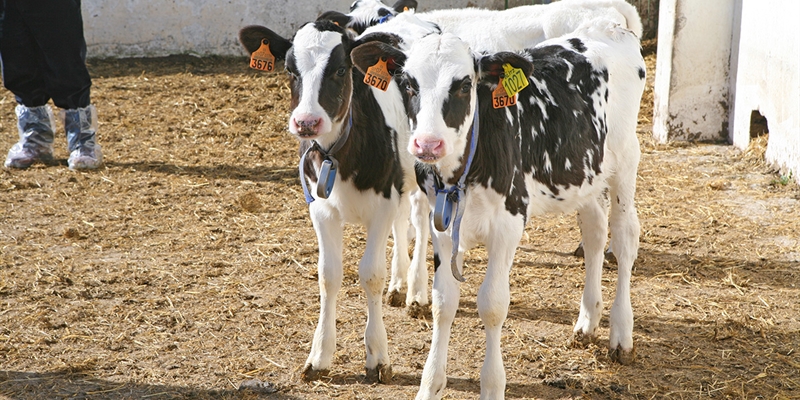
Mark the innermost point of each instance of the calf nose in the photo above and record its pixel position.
(427, 149)
(307, 124)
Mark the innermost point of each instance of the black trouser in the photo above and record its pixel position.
(43, 53)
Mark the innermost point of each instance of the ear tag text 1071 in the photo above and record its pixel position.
(500, 99)
(378, 75)
(262, 59)
(514, 80)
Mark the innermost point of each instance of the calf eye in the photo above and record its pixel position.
(466, 87)
(341, 71)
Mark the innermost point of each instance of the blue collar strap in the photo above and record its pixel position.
(327, 171)
(385, 18)
(449, 198)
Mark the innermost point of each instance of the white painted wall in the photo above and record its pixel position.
(768, 79)
(148, 28)
(692, 70)
(718, 61)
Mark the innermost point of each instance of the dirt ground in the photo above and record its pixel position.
(187, 266)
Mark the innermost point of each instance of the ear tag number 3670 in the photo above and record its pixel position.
(262, 59)
(500, 99)
(378, 75)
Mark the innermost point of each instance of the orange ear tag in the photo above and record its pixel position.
(500, 99)
(262, 59)
(378, 75)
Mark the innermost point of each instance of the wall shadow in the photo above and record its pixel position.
(288, 176)
(17, 385)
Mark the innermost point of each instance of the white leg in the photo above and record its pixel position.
(328, 227)
(400, 259)
(417, 297)
(445, 299)
(493, 301)
(372, 275)
(625, 231)
(594, 230)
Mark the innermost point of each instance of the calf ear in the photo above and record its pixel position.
(368, 50)
(336, 17)
(492, 65)
(252, 36)
(404, 5)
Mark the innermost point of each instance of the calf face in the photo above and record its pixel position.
(366, 13)
(320, 78)
(440, 77)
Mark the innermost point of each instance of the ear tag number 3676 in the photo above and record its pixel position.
(262, 59)
(378, 75)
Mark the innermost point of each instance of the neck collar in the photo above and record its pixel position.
(449, 198)
(327, 172)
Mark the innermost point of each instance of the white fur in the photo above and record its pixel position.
(311, 49)
(377, 214)
(434, 59)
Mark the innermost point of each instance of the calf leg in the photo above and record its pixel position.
(625, 231)
(493, 301)
(445, 297)
(400, 260)
(417, 297)
(329, 269)
(594, 231)
(372, 275)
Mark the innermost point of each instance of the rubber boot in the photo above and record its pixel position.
(81, 127)
(35, 126)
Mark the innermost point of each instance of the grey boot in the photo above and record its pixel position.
(35, 126)
(81, 126)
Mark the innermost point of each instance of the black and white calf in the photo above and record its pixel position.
(366, 13)
(356, 170)
(555, 150)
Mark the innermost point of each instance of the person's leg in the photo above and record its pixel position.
(22, 75)
(66, 76)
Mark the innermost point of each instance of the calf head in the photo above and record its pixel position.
(441, 75)
(366, 13)
(320, 76)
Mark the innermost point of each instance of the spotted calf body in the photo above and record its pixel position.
(555, 151)
(332, 108)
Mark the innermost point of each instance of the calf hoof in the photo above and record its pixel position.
(580, 340)
(624, 357)
(310, 374)
(380, 374)
(415, 310)
(579, 251)
(396, 299)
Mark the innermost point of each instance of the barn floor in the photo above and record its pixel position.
(187, 266)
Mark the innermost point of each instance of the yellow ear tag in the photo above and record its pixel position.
(262, 59)
(515, 80)
(378, 75)
(500, 99)
(405, 9)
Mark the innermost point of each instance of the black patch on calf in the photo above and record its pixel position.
(642, 74)
(456, 106)
(569, 132)
(336, 84)
(410, 98)
(338, 18)
(507, 151)
(578, 45)
(436, 261)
